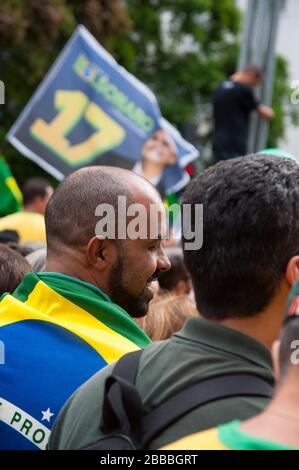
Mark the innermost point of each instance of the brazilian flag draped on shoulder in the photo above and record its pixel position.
(55, 332)
(10, 194)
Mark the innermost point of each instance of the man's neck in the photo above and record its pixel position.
(31, 208)
(72, 269)
(264, 327)
(279, 422)
(265, 330)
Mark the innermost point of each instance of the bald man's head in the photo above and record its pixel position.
(70, 215)
(123, 269)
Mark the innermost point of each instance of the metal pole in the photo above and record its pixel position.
(263, 128)
(260, 34)
(248, 28)
(258, 47)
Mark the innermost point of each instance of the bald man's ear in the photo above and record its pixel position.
(292, 271)
(100, 253)
(275, 359)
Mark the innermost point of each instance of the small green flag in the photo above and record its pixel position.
(10, 194)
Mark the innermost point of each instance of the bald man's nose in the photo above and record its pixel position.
(163, 261)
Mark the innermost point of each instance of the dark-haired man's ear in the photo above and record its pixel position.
(275, 359)
(292, 271)
(100, 253)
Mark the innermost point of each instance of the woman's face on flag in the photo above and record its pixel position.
(160, 148)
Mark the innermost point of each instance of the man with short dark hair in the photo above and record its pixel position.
(30, 223)
(62, 325)
(233, 103)
(277, 427)
(36, 194)
(241, 276)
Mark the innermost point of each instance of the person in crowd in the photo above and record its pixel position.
(233, 103)
(9, 236)
(166, 315)
(241, 276)
(177, 279)
(13, 267)
(277, 427)
(11, 239)
(63, 325)
(30, 223)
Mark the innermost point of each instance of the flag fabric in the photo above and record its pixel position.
(88, 110)
(55, 333)
(10, 194)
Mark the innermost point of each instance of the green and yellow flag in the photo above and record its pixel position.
(56, 333)
(10, 194)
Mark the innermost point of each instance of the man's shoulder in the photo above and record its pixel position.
(225, 85)
(98, 379)
(22, 215)
(90, 390)
(83, 412)
(9, 218)
(233, 85)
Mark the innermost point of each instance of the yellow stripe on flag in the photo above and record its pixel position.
(45, 304)
(14, 188)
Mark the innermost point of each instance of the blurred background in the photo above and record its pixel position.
(181, 49)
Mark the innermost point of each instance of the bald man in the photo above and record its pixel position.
(76, 317)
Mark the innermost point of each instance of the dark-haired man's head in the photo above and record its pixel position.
(120, 266)
(249, 258)
(177, 279)
(36, 194)
(13, 267)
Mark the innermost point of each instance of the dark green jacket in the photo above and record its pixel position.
(201, 350)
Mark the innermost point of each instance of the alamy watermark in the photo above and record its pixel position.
(135, 221)
(294, 98)
(295, 354)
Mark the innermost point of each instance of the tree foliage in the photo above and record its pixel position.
(180, 48)
(285, 113)
(32, 33)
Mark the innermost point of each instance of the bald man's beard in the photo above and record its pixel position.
(135, 306)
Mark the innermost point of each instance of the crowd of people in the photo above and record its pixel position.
(75, 305)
